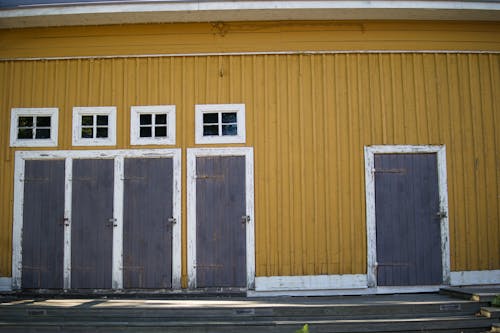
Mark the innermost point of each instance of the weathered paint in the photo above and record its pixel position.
(43, 232)
(220, 227)
(407, 226)
(308, 117)
(147, 223)
(92, 224)
(283, 36)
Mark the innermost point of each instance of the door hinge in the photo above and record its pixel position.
(442, 215)
(245, 219)
(172, 220)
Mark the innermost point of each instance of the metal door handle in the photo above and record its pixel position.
(442, 215)
(245, 219)
(111, 222)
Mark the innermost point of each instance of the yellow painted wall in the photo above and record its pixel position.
(308, 119)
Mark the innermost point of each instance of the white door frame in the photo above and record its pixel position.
(370, 151)
(192, 154)
(118, 156)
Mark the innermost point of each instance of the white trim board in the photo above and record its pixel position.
(118, 156)
(256, 53)
(192, 154)
(370, 151)
(464, 278)
(310, 282)
(218, 11)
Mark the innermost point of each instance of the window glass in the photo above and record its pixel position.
(161, 119)
(42, 121)
(146, 132)
(25, 133)
(160, 131)
(42, 133)
(146, 119)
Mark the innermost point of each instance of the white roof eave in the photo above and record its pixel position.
(220, 11)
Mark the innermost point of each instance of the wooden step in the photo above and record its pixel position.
(478, 293)
(490, 312)
(427, 324)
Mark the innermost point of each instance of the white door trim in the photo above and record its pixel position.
(370, 151)
(118, 156)
(192, 154)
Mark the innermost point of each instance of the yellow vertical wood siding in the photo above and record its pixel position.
(308, 119)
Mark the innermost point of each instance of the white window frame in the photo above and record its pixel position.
(53, 113)
(135, 124)
(78, 112)
(201, 109)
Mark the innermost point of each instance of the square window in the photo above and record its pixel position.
(33, 127)
(94, 126)
(152, 125)
(220, 123)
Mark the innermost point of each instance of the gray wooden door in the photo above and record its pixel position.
(43, 225)
(220, 231)
(147, 229)
(92, 223)
(408, 228)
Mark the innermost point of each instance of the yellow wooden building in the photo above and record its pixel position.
(267, 147)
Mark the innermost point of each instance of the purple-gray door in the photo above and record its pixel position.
(43, 225)
(407, 220)
(147, 223)
(220, 222)
(92, 223)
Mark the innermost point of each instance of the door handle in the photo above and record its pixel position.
(245, 219)
(442, 215)
(172, 220)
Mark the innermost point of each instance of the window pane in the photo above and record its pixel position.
(161, 131)
(87, 132)
(25, 122)
(210, 118)
(229, 117)
(88, 120)
(145, 119)
(25, 133)
(102, 120)
(145, 132)
(42, 133)
(161, 119)
(102, 132)
(43, 121)
(210, 130)
(229, 130)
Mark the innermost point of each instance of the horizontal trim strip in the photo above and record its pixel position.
(310, 282)
(475, 277)
(5, 284)
(222, 11)
(128, 56)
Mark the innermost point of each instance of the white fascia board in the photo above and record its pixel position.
(213, 11)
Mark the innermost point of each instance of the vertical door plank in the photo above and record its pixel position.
(408, 229)
(220, 233)
(43, 227)
(92, 231)
(147, 233)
